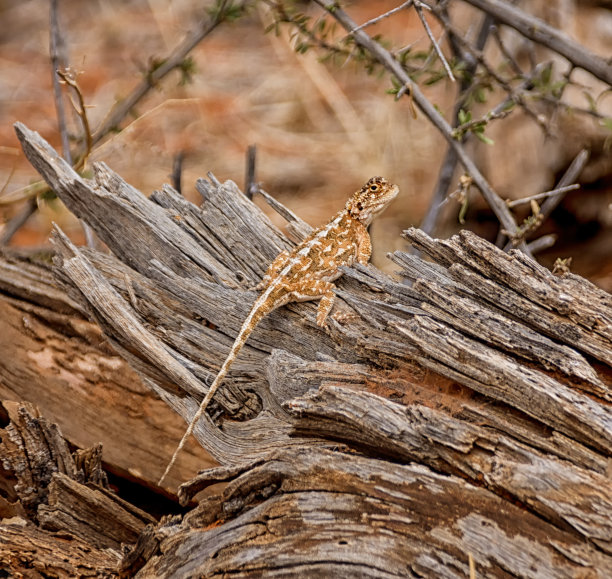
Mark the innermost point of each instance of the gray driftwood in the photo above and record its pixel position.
(457, 415)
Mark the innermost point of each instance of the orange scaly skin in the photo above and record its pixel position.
(307, 273)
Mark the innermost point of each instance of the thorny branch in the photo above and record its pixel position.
(476, 55)
(173, 61)
(429, 110)
(450, 160)
(553, 198)
(382, 16)
(177, 59)
(571, 175)
(468, 58)
(418, 6)
(540, 32)
(543, 195)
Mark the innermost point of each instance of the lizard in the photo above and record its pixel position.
(307, 273)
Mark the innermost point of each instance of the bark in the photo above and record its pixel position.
(59, 517)
(54, 357)
(458, 415)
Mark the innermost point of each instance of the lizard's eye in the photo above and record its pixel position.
(374, 187)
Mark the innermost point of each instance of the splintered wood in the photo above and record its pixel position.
(457, 415)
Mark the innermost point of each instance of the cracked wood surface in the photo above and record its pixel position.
(461, 410)
(315, 511)
(59, 518)
(53, 356)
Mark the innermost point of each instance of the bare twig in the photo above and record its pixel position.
(16, 222)
(538, 31)
(58, 61)
(571, 175)
(381, 17)
(526, 228)
(542, 243)
(251, 186)
(68, 76)
(418, 6)
(282, 15)
(515, 94)
(506, 53)
(543, 212)
(177, 171)
(556, 191)
(477, 55)
(174, 60)
(7, 181)
(445, 177)
(449, 164)
(474, 124)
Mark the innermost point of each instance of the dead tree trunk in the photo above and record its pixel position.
(54, 357)
(461, 419)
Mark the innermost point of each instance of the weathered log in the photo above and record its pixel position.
(460, 413)
(315, 512)
(59, 517)
(53, 356)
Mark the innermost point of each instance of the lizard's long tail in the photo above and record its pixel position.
(256, 314)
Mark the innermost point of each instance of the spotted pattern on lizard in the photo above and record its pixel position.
(308, 272)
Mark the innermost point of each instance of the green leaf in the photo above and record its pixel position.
(607, 123)
(188, 68)
(480, 96)
(463, 210)
(464, 116)
(546, 74)
(482, 137)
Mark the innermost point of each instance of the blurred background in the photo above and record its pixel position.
(321, 128)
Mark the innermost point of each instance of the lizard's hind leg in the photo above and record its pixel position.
(316, 290)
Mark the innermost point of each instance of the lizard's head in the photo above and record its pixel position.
(372, 199)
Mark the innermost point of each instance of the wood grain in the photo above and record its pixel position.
(461, 409)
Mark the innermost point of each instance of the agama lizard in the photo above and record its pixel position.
(307, 273)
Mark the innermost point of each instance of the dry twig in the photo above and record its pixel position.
(558, 190)
(449, 164)
(174, 60)
(382, 16)
(538, 31)
(418, 6)
(392, 65)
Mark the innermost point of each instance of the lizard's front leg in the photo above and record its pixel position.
(364, 247)
(315, 290)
